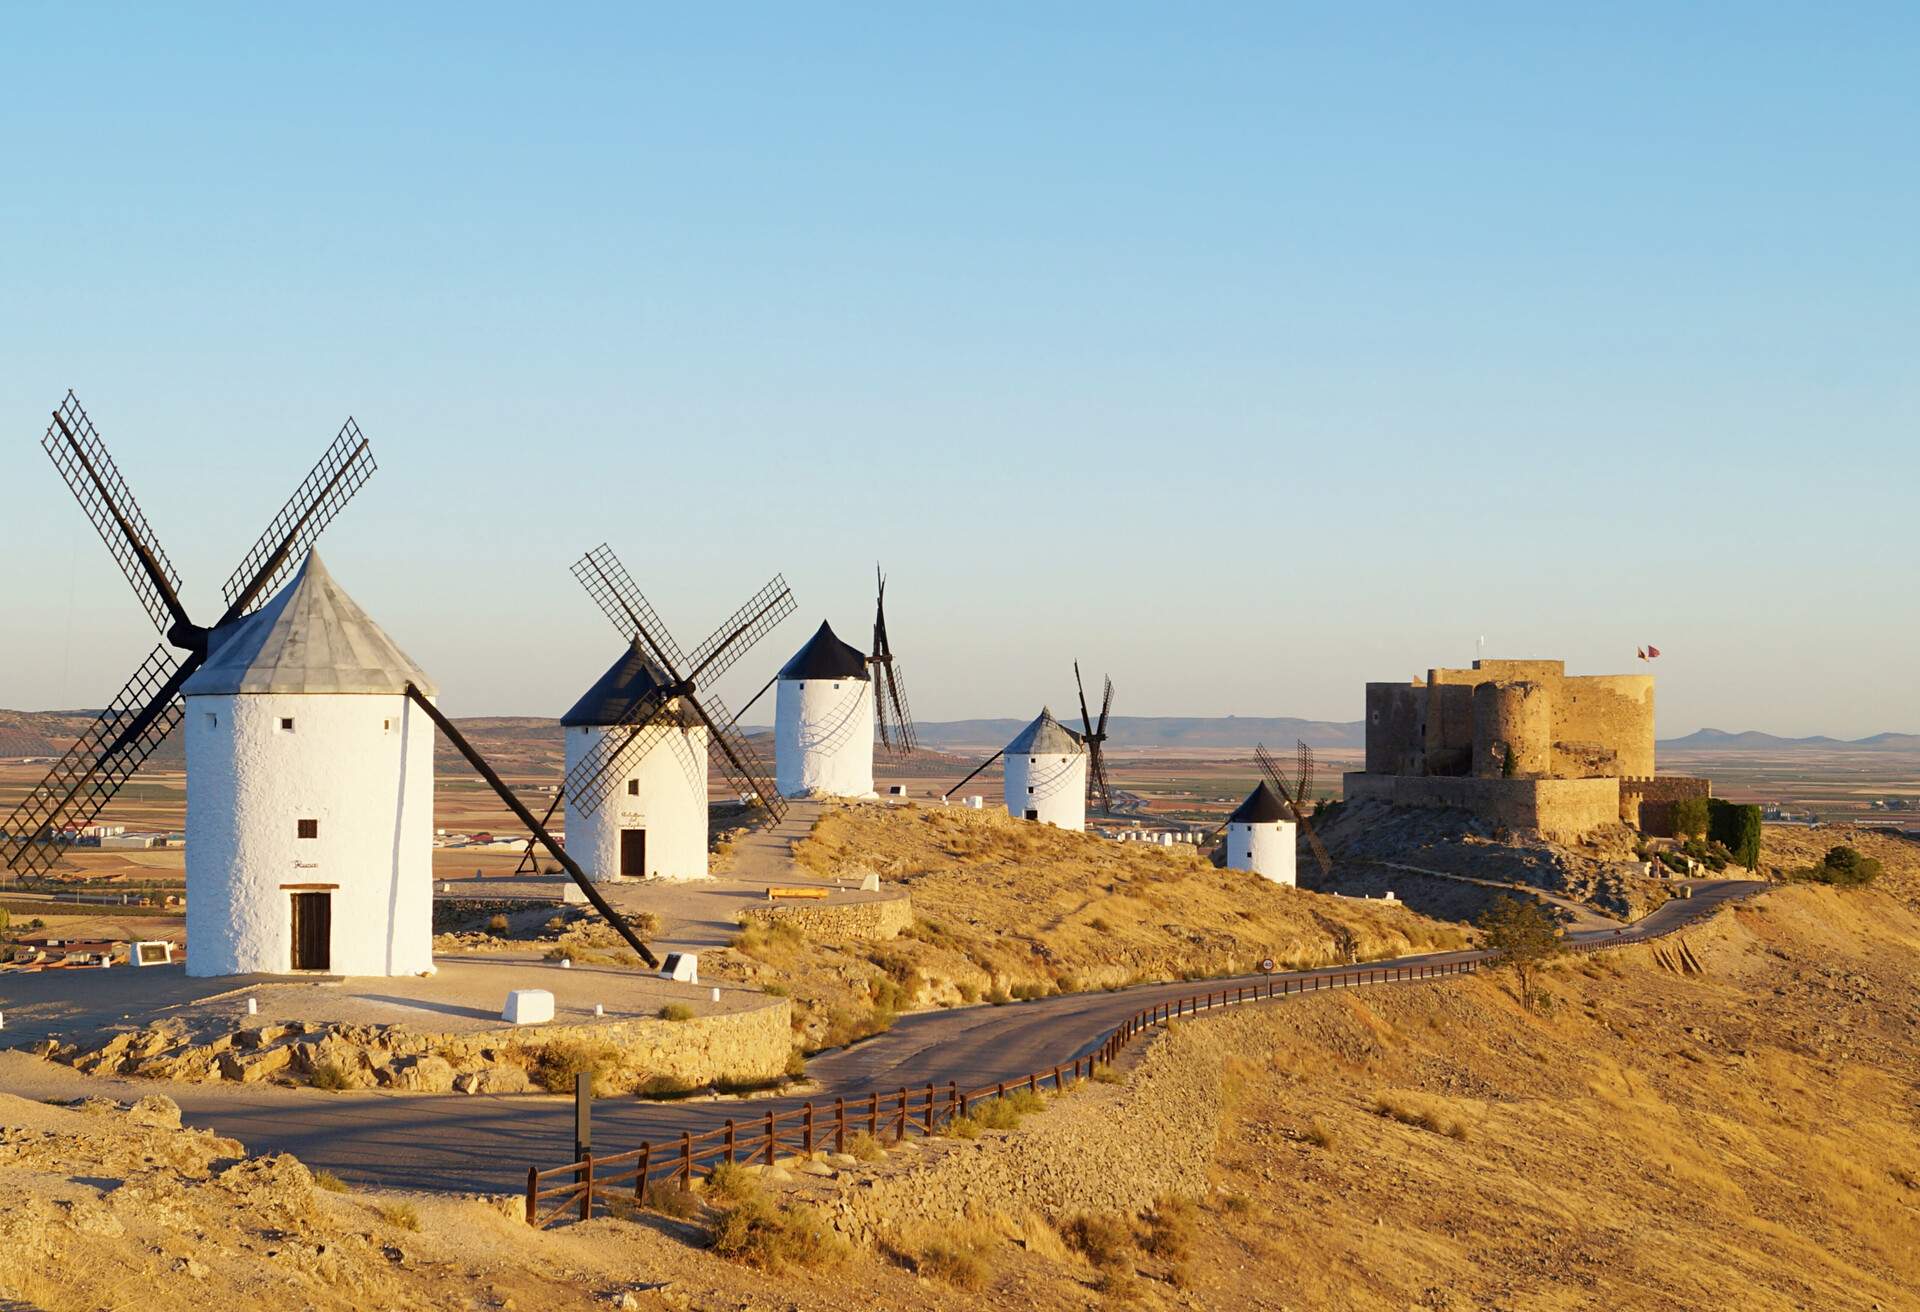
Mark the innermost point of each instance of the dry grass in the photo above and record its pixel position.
(401, 1216)
(1104, 1240)
(1398, 1107)
(864, 1147)
(991, 928)
(556, 1064)
(330, 1182)
(774, 1236)
(957, 1253)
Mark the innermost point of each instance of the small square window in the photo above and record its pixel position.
(213, 721)
(286, 723)
(386, 726)
(633, 788)
(309, 829)
(1029, 787)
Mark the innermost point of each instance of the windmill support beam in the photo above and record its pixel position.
(976, 770)
(514, 804)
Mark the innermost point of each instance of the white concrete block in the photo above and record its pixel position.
(871, 884)
(572, 894)
(682, 967)
(528, 1007)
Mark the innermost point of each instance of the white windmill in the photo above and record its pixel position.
(1260, 837)
(309, 760)
(1045, 776)
(830, 696)
(637, 742)
(309, 793)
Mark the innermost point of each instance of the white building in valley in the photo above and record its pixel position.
(1046, 774)
(309, 794)
(648, 819)
(1260, 837)
(823, 721)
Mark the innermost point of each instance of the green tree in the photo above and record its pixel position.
(1736, 828)
(1521, 936)
(1690, 817)
(1845, 866)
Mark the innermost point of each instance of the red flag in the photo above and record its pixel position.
(1652, 651)
(1641, 652)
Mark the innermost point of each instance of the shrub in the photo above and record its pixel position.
(1005, 1113)
(666, 1086)
(1031, 989)
(1736, 828)
(999, 997)
(1170, 1229)
(1099, 925)
(955, 1254)
(845, 1026)
(969, 991)
(1690, 817)
(1105, 1074)
(672, 1200)
(768, 1236)
(676, 1011)
(864, 1147)
(1103, 1240)
(556, 1065)
(796, 1064)
(776, 990)
(327, 1180)
(961, 1127)
(1842, 866)
(498, 924)
(732, 1182)
(1319, 1135)
(329, 1075)
(401, 1216)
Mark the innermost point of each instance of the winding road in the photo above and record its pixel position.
(484, 1144)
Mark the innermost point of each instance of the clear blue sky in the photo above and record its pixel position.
(1247, 354)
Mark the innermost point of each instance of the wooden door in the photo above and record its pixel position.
(312, 931)
(633, 853)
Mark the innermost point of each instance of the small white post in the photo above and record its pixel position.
(716, 995)
(253, 1006)
(566, 963)
(599, 1010)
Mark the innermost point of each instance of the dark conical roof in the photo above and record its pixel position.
(1046, 736)
(826, 657)
(1262, 807)
(626, 680)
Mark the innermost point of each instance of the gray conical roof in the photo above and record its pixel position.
(311, 637)
(1262, 807)
(1046, 736)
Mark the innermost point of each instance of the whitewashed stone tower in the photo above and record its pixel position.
(1260, 837)
(309, 794)
(652, 822)
(1046, 774)
(823, 721)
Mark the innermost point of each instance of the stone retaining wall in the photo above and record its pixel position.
(829, 920)
(736, 1046)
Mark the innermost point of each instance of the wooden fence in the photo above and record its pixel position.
(577, 1186)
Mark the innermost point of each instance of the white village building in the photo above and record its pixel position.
(823, 721)
(652, 822)
(1046, 774)
(309, 794)
(1260, 837)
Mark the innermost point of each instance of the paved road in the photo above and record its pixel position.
(484, 1144)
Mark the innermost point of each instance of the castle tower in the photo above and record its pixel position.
(1046, 774)
(823, 721)
(1512, 729)
(652, 822)
(309, 794)
(1260, 837)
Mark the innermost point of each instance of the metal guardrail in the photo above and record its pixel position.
(552, 1193)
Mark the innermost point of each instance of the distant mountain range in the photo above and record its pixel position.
(1241, 731)
(1752, 740)
(47, 733)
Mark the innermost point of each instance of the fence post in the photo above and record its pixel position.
(586, 1198)
(900, 1127)
(729, 1141)
(873, 1114)
(770, 1139)
(640, 1173)
(1033, 1083)
(929, 1106)
(806, 1140)
(686, 1159)
(533, 1192)
(1057, 1086)
(839, 1124)
(953, 1098)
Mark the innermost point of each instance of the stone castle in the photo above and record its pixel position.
(1522, 744)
